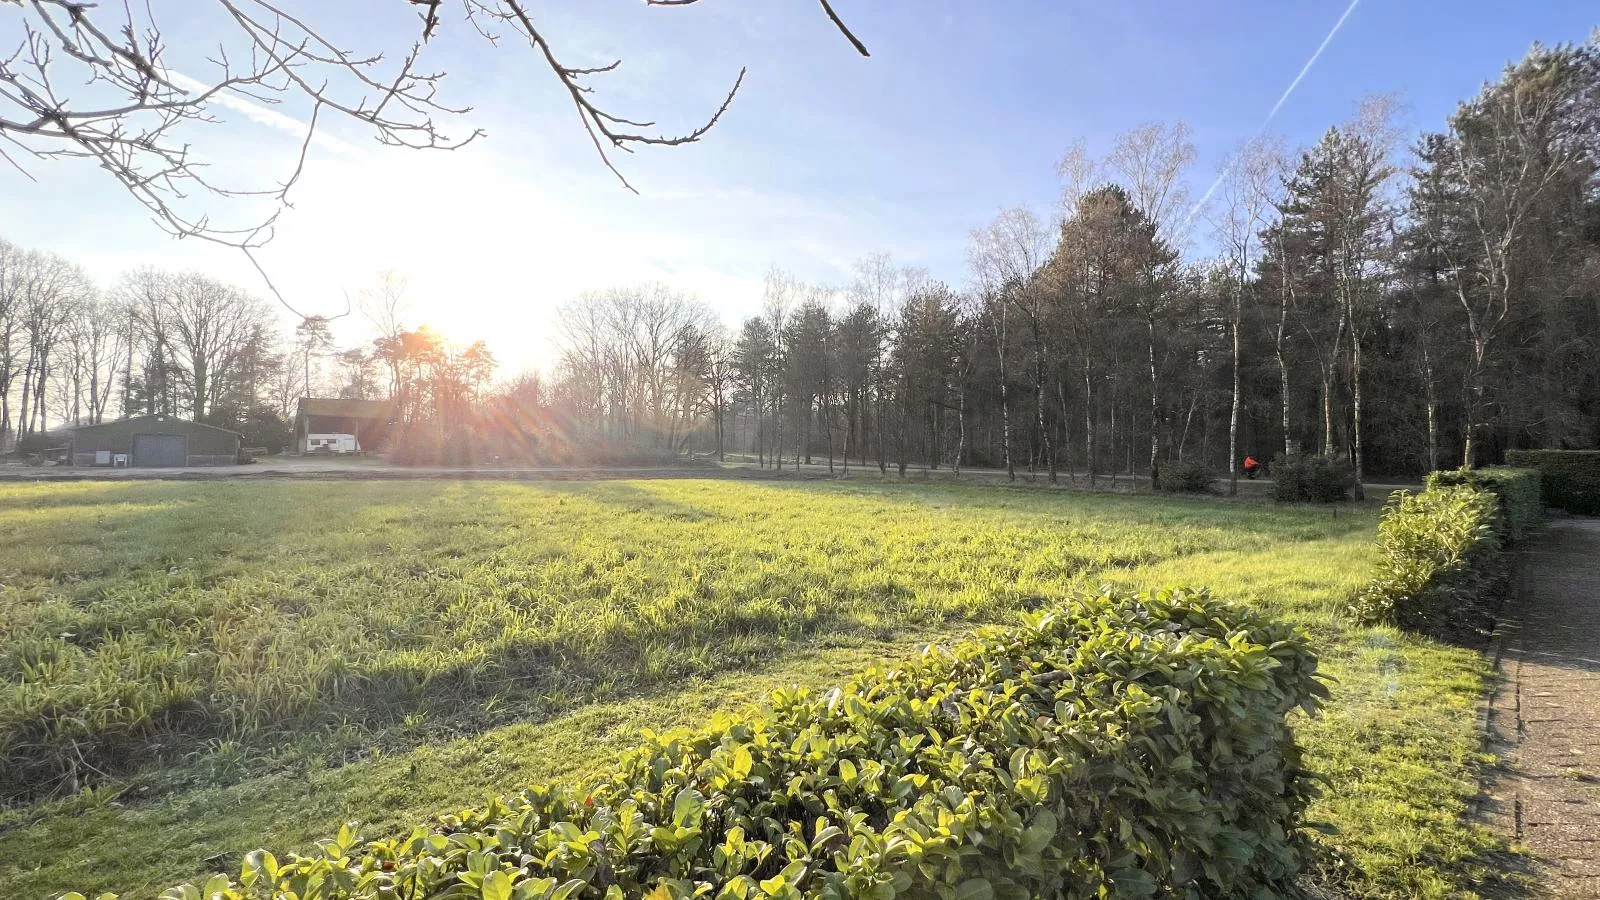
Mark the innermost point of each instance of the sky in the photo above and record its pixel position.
(962, 110)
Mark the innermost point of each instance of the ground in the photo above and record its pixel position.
(1545, 719)
(192, 670)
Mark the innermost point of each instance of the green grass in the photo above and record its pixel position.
(188, 671)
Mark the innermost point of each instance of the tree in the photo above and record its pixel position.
(1152, 161)
(1364, 216)
(874, 293)
(1248, 189)
(720, 379)
(1005, 257)
(313, 337)
(1521, 142)
(755, 365)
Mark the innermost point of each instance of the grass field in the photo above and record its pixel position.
(192, 670)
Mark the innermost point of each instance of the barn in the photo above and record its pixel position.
(154, 441)
(342, 426)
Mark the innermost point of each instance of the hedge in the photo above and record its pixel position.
(1190, 476)
(1122, 745)
(1300, 478)
(1442, 569)
(1521, 506)
(1570, 478)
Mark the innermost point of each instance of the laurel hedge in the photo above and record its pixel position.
(1121, 745)
(1570, 478)
(1442, 570)
(1521, 506)
(1302, 478)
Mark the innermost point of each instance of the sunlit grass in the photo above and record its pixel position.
(240, 656)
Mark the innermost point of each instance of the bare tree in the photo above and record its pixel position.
(875, 291)
(1248, 187)
(95, 344)
(1506, 150)
(1366, 173)
(1004, 257)
(197, 335)
(628, 353)
(39, 293)
(1152, 162)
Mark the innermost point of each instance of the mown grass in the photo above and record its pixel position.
(193, 670)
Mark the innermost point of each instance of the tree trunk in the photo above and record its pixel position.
(1155, 405)
(1005, 399)
(849, 432)
(25, 411)
(777, 437)
(1355, 388)
(1038, 408)
(1238, 397)
(961, 430)
(1088, 420)
(827, 424)
(900, 433)
(1430, 397)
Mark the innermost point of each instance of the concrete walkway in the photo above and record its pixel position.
(1545, 716)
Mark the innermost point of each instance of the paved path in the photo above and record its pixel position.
(1545, 717)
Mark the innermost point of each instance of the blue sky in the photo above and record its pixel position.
(962, 110)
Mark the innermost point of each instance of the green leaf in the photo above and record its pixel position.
(742, 763)
(567, 889)
(497, 886)
(975, 889)
(688, 808)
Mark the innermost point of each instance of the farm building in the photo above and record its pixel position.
(342, 426)
(154, 441)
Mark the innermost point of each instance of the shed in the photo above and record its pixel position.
(154, 441)
(339, 425)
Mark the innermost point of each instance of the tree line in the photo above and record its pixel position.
(1399, 304)
(185, 344)
(1402, 308)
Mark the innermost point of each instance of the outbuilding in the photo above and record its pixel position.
(154, 441)
(342, 426)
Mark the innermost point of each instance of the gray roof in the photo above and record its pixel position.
(161, 419)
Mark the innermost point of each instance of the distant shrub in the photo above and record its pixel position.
(38, 442)
(1126, 746)
(1302, 478)
(1442, 568)
(1189, 476)
(1569, 479)
(1518, 490)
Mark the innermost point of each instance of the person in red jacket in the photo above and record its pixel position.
(1251, 467)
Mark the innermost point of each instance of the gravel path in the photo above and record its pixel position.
(1545, 717)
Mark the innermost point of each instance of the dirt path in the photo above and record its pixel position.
(1545, 717)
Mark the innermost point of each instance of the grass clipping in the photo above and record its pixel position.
(1121, 745)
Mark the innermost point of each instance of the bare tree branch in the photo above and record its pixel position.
(131, 113)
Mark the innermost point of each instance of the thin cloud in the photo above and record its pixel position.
(261, 115)
(1282, 99)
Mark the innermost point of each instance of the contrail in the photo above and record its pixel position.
(1205, 198)
(262, 115)
(1312, 61)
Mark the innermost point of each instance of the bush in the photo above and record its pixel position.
(1120, 746)
(1188, 477)
(1517, 490)
(1442, 569)
(1301, 478)
(1569, 479)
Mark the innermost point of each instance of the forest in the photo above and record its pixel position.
(1400, 301)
